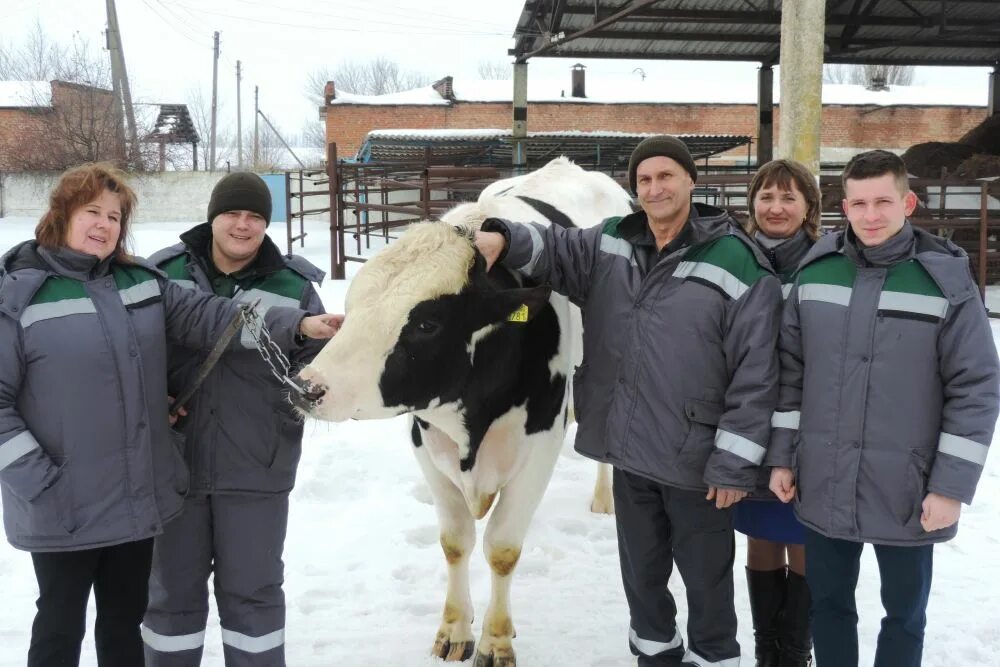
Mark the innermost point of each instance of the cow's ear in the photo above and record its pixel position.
(517, 306)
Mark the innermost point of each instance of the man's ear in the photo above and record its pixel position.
(909, 203)
(517, 306)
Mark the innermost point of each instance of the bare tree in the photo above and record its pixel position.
(77, 118)
(200, 107)
(837, 73)
(374, 77)
(314, 135)
(499, 70)
(316, 80)
(877, 76)
(870, 76)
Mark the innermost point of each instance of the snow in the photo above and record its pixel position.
(25, 94)
(622, 90)
(474, 134)
(365, 577)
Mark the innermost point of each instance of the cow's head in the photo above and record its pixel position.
(415, 314)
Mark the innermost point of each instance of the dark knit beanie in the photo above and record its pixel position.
(240, 191)
(665, 146)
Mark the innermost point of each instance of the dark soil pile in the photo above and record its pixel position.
(928, 159)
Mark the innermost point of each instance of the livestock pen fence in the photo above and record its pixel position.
(377, 199)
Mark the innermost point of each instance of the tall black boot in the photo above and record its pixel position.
(794, 636)
(767, 596)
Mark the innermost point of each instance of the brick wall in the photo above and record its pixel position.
(845, 127)
(79, 126)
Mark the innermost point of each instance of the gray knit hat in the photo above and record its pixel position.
(663, 145)
(240, 191)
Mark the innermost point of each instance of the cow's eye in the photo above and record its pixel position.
(428, 327)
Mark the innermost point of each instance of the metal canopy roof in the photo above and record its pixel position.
(174, 126)
(598, 150)
(902, 32)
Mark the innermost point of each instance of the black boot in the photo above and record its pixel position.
(767, 595)
(794, 636)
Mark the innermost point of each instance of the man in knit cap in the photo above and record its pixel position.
(242, 446)
(676, 389)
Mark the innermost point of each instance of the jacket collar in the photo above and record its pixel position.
(72, 264)
(198, 241)
(705, 223)
(896, 249)
(785, 255)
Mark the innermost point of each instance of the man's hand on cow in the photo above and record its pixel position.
(490, 244)
(321, 326)
(939, 512)
(725, 497)
(782, 484)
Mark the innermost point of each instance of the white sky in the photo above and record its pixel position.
(168, 46)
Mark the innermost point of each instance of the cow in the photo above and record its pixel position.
(481, 361)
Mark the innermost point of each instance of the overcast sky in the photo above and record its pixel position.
(168, 46)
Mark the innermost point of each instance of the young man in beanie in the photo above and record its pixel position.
(242, 447)
(888, 402)
(676, 389)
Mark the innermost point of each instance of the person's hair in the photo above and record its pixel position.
(783, 173)
(872, 164)
(77, 187)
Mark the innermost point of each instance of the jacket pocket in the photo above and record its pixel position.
(182, 477)
(917, 478)
(707, 413)
(51, 512)
(703, 418)
(286, 455)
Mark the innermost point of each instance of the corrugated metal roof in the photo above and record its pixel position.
(607, 151)
(917, 32)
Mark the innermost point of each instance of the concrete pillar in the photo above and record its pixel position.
(520, 127)
(802, 26)
(994, 103)
(765, 114)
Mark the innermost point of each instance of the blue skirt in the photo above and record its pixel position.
(769, 520)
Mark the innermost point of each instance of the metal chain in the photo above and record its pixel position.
(268, 349)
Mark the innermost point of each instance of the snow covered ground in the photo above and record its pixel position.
(365, 576)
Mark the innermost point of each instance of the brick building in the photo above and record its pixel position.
(55, 125)
(854, 118)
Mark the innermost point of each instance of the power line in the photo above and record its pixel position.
(182, 33)
(366, 10)
(409, 29)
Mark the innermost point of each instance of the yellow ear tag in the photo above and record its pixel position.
(519, 315)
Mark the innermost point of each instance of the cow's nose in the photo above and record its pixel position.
(305, 393)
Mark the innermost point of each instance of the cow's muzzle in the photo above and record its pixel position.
(305, 394)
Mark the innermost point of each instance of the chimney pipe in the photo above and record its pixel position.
(579, 80)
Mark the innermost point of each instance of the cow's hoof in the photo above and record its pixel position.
(498, 658)
(605, 505)
(450, 651)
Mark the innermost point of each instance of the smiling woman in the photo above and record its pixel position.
(89, 212)
(89, 469)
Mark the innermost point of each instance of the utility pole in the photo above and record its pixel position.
(215, 100)
(256, 127)
(119, 75)
(239, 118)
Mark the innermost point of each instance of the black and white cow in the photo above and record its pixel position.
(481, 361)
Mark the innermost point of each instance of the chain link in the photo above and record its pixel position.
(268, 349)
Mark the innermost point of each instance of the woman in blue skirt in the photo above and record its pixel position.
(784, 221)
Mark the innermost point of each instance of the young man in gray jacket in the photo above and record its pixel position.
(887, 406)
(676, 389)
(243, 443)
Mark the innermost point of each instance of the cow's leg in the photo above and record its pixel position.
(603, 502)
(454, 641)
(503, 540)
